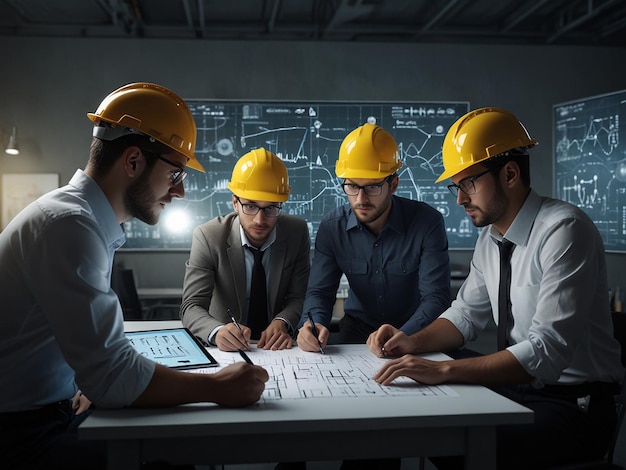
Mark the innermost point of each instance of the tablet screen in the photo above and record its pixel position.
(176, 348)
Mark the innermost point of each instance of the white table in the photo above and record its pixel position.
(308, 429)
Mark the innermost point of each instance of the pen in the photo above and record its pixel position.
(245, 357)
(232, 317)
(315, 332)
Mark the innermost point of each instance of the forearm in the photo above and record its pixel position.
(169, 387)
(428, 311)
(199, 321)
(238, 384)
(291, 313)
(500, 368)
(320, 305)
(440, 335)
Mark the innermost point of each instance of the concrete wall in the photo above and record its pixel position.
(48, 85)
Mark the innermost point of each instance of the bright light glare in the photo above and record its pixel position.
(176, 221)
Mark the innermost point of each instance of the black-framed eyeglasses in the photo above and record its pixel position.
(372, 190)
(271, 211)
(466, 185)
(178, 175)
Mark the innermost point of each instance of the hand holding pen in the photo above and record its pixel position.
(314, 330)
(241, 337)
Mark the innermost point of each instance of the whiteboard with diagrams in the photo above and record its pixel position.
(306, 136)
(590, 162)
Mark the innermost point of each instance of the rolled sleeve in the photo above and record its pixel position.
(72, 262)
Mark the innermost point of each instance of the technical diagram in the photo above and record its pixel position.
(307, 137)
(590, 162)
(296, 374)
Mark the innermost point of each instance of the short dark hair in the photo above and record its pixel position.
(519, 156)
(104, 153)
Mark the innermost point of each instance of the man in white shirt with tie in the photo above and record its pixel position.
(558, 355)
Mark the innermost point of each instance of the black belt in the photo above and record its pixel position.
(45, 413)
(583, 389)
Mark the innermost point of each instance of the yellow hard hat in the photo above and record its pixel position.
(152, 110)
(479, 135)
(259, 175)
(369, 151)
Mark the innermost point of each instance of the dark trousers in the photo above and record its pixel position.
(47, 438)
(566, 428)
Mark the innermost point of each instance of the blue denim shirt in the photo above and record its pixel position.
(401, 277)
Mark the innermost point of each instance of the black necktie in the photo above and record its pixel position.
(504, 292)
(257, 307)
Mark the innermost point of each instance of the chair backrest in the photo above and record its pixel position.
(619, 331)
(606, 462)
(123, 283)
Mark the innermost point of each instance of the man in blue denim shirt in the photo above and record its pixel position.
(393, 251)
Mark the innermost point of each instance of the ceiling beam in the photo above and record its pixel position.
(272, 21)
(346, 11)
(188, 16)
(121, 15)
(438, 16)
(201, 18)
(521, 14)
(615, 26)
(569, 21)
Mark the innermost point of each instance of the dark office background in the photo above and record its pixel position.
(47, 85)
(59, 59)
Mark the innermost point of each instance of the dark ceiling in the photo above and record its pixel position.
(552, 22)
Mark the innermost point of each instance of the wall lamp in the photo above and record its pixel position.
(12, 147)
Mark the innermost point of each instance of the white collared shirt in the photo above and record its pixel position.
(562, 330)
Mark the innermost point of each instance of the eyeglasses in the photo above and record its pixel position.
(177, 176)
(372, 190)
(466, 185)
(271, 212)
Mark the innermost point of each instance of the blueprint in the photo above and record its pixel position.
(297, 374)
(306, 136)
(590, 162)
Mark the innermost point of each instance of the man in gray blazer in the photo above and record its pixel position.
(219, 303)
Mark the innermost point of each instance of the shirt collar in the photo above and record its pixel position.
(520, 229)
(101, 207)
(244, 240)
(394, 222)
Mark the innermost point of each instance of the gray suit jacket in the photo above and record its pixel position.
(215, 275)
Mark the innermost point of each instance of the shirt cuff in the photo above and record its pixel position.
(290, 329)
(211, 338)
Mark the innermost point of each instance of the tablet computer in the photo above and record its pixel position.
(177, 348)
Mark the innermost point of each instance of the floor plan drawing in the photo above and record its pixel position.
(296, 374)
